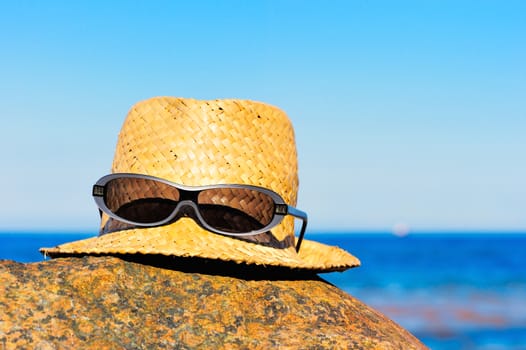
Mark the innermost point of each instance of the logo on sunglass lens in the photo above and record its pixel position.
(98, 191)
(281, 209)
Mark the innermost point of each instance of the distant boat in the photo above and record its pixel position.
(401, 230)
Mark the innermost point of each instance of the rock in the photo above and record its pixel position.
(119, 303)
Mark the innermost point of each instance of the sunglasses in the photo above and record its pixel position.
(233, 210)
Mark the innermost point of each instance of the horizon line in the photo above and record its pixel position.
(4, 231)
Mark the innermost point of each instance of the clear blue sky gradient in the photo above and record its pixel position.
(406, 112)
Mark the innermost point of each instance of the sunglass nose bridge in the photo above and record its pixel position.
(186, 209)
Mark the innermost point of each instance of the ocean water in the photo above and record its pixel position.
(452, 291)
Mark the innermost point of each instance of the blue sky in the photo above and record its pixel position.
(406, 112)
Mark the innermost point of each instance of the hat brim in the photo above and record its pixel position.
(187, 240)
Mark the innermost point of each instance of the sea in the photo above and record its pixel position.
(451, 290)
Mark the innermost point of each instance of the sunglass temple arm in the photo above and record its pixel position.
(303, 217)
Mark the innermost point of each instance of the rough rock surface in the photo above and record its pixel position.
(117, 303)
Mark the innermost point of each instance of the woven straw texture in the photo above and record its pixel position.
(194, 142)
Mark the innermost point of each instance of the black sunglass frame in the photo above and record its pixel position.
(281, 209)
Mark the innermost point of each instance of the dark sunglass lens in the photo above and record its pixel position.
(141, 200)
(147, 210)
(236, 210)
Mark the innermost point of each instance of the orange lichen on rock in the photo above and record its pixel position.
(109, 302)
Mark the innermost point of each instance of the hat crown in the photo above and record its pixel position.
(195, 142)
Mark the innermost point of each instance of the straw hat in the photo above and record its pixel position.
(192, 142)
